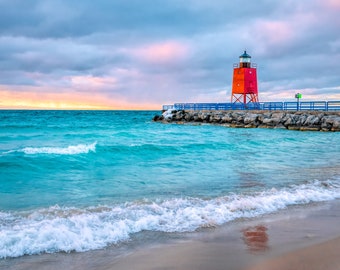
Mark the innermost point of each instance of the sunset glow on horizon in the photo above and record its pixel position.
(29, 100)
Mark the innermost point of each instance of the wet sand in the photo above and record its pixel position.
(323, 256)
(304, 237)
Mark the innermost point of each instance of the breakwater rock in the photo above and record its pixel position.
(300, 120)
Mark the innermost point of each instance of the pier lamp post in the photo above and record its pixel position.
(298, 96)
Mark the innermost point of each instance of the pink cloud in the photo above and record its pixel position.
(92, 82)
(162, 53)
(274, 32)
(333, 4)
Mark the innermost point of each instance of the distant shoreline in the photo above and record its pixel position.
(292, 120)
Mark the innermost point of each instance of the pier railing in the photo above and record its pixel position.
(286, 106)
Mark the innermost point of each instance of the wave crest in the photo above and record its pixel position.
(71, 229)
(70, 150)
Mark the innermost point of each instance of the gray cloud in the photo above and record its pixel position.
(45, 43)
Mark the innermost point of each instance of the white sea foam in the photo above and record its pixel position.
(168, 114)
(71, 229)
(69, 150)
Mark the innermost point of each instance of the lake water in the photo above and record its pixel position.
(85, 180)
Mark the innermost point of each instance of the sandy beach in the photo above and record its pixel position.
(302, 237)
(320, 256)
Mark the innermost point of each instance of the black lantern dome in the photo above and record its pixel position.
(245, 60)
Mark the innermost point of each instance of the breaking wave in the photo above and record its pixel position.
(58, 229)
(69, 150)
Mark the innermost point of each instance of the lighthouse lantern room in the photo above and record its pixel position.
(244, 88)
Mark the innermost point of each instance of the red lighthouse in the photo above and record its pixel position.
(244, 88)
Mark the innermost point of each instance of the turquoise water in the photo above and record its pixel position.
(83, 180)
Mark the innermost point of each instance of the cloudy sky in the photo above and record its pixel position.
(140, 54)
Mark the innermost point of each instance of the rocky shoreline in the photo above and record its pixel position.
(299, 120)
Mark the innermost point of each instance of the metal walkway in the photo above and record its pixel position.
(271, 106)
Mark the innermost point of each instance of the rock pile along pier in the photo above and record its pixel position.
(300, 120)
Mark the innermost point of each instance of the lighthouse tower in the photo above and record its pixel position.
(244, 88)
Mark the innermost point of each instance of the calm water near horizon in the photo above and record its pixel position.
(85, 180)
